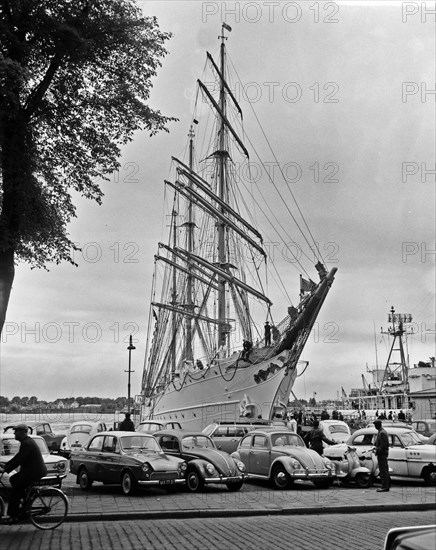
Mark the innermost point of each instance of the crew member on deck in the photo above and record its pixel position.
(247, 346)
(267, 334)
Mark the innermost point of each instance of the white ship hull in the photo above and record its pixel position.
(200, 397)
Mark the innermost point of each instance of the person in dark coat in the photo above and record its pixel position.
(315, 438)
(127, 424)
(32, 469)
(267, 334)
(382, 452)
(246, 350)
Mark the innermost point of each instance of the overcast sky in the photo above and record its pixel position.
(347, 85)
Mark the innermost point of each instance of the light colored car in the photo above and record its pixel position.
(408, 456)
(336, 430)
(425, 428)
(52, 438)
(206, 464)
(79, 434)
(128, 459)
(150, 426)
(56, 465)
(226, 435)
(280, 456)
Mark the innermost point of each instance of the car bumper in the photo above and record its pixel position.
(226, 479)
(312, 474)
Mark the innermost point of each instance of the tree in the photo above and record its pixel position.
(75, 78)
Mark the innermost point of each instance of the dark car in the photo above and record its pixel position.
(411, 538)
(128, 459)
(206, 464)
(281, 457)
(44, 430)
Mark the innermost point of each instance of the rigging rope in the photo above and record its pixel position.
(281, 171)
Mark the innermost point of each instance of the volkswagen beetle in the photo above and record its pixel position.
(281, 457)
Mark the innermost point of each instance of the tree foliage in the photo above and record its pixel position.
(75, 79)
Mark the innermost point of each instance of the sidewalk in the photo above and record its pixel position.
(108, 502)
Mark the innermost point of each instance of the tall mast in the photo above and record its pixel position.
(190, 248)
(174, 295)
(222, 158)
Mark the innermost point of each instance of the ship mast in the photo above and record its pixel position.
(397, 371)
(222, 156)
(190, 247)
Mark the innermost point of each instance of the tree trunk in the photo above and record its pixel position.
(7, 273)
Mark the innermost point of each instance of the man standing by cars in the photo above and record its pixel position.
(382, 452)
(32, 469)
(315, 438)
(127, 424)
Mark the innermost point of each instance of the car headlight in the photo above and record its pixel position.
(182, 467)
(146, 467)
(295, 464)
(210, 469)
(240, 465)
(60, 466)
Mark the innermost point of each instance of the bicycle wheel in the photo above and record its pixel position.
(48, 507)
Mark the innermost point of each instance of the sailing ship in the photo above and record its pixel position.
(214, 350)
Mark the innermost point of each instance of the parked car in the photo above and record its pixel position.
(128, 459)
(411, 538)
(226, 435)
(336, 430)
(78, 434)
(150, 426)
(280, 456)
(206, 464)
(44, 430)
(408, 425)
(56, 465)
(408, 455)
(425, 428)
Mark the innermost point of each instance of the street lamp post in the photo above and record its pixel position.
(130, 348)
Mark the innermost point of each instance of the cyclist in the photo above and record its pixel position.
(32, 468)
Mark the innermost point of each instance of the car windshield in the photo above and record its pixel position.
(42, 446)
(82, 428)
(197, 441)
(338, 428)
(287, 439)
(209, 429)
(410, 438)
(139, 443)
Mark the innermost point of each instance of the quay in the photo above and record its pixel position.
(105, 502)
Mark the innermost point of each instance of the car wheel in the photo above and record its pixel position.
(194, 482)
(363, 480)
(234, 486)
(322, 483)
(280, 478)
(84, 480)
(430, 476)
(128, 483)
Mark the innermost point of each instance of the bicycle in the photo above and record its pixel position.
(46, 506)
